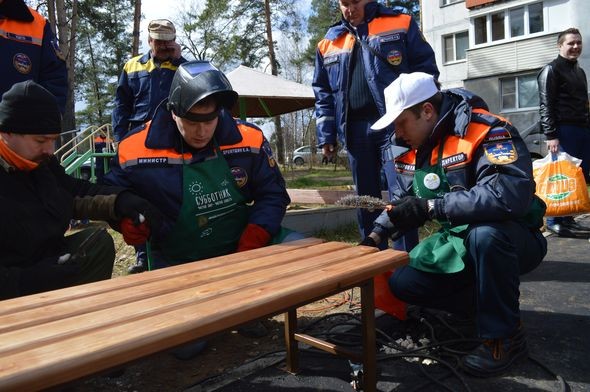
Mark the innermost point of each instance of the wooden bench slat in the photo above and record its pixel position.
(155, 298)
(121, 294)
(103, 348)
(17, 305)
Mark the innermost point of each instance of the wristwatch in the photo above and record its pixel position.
(430, 204)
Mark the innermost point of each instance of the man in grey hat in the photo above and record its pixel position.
(38, 200)
(145, 80)
(143, 84)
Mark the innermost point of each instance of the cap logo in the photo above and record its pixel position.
(22, 63)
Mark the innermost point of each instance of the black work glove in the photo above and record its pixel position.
(368, 241)
(129, 205)
(408, 213)
(47, 275)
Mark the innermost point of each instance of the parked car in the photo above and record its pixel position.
(302, 156)
(535, 140)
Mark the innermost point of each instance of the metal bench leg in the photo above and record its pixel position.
(292, 346)
(369, 349)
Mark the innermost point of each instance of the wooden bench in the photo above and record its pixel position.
(59, 336)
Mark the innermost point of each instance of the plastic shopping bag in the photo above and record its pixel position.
(561, 185)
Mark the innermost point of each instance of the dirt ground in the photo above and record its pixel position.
(163, 372)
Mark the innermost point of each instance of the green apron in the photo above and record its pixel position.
(443, 251)
(212, 216)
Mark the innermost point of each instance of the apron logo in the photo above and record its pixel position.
(195, 188)
(207, 232)
(394, 57)
(22, 63)
(431, 181)
(240, 176)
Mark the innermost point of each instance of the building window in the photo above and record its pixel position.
(497, 26)
(517, 22)
(481, 30)
(511, 23)
(535, 18)
(455, 46)
(447, 2)
(519, 92)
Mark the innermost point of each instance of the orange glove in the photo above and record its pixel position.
(253, 237)
(134, 234)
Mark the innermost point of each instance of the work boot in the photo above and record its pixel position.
(570, 223)
(253, 330)
(495, 356)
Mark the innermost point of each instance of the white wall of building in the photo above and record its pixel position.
(438, 22)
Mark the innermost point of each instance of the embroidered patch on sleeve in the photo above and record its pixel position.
(501, 153)
(58, 52)
(497, 134)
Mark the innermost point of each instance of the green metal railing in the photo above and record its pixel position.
(78, 156)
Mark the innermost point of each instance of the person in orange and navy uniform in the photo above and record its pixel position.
(143, 84)
(100, 145)
(214, 177)
(360, 56)
(145, 80)
(29, 51)
(38, 200)
(471, 171)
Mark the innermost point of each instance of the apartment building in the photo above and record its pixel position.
(495, 48)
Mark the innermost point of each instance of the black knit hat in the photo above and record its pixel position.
(28, 108)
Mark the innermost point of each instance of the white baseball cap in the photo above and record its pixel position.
(404, 92)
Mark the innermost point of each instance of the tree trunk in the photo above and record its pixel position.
(274, 71)
(51, 15)
(136, 23)
(67, 42)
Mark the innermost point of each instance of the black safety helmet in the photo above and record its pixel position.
(195, 81)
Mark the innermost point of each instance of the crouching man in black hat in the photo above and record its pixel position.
(38, 200)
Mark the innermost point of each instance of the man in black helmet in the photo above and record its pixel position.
(213, 177)
(38, 199)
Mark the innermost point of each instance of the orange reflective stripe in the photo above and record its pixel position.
(342, 44)
(29, 32)
(384, 25)
(132, 151)
(251, 138)
(454, 145)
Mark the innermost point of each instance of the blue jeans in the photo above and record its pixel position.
(488, 287)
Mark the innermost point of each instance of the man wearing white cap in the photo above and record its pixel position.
(469, 170)
(143, 84)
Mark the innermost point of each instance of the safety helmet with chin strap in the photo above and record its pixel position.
(195, 81)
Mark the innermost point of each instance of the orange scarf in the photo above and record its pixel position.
(13, 159)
